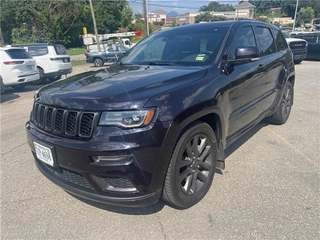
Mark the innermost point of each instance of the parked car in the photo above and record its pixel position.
(53, 61)
(299, 48)
(313, 39)
(17, 68)
(157, 122)
(286, 28)
(108, 54)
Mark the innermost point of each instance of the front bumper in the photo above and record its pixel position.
(135, 179)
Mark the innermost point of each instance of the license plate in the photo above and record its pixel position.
(30, 67)
(297, 57)
(43, 153)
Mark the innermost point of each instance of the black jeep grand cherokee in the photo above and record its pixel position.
(157, 122)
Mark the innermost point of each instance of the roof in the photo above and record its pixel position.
(244, 4)
(35, 44)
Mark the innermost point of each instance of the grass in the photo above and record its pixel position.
(78, 62)
(75, 51)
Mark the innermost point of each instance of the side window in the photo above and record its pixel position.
(280, 40)
(38, 50)
(243, 37)
(310, 38)
(60, 50)
(266, 42)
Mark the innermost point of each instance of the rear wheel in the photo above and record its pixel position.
(1, 85)
(55, 78)
(192, 166)
(42, 78)
(97, 62)
(283, 111)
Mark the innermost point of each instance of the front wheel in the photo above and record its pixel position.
(192, 166)
(283, 111)
(97, 62)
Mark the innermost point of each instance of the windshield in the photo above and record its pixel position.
(178, 46)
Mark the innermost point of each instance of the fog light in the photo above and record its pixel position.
(112, 160)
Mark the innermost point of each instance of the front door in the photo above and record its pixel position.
(248, 83)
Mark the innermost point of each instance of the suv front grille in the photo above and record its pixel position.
(62, 121)
(298, 45)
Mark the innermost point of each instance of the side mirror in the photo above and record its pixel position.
(247, 52)
(245, 55)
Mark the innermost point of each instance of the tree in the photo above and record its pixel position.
(109, 15)
(39, 21)
(306, 15)
(59, 21)
(263, 7)
(208, 17)
(217, 7)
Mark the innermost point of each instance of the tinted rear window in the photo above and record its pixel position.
(18, 54)
(60, 50)
(38, 50)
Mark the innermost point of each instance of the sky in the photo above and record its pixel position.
(180, 6)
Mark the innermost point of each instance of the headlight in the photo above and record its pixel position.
(127, 119)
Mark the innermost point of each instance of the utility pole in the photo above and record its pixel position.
(95, 26)
(145, 16)
(295, 16)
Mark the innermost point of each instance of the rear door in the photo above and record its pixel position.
(247, 93)
(272, 61)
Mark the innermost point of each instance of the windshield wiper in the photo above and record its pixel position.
(164, 63)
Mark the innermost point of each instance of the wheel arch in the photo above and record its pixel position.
(213, 117)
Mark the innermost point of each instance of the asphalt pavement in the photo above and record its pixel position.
(270, 188)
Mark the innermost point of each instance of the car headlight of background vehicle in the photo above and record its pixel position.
(127, 119)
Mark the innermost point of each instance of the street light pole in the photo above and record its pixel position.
(95, 26)
(295, 16)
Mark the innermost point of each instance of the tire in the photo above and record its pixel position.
(42, 77)
(19, 86)
(297, 61)
(283, 111)
(98, 62)
(1, 85)
(55, 78)
(191, 170)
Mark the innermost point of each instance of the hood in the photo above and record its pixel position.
(289, 40)
(117, 87)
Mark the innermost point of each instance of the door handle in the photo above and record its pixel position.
(261, 66)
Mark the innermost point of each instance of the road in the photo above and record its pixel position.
(269, 189)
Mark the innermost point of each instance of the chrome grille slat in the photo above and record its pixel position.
(61, 121)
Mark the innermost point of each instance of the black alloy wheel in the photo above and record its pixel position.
(192, 166)
(283, 111)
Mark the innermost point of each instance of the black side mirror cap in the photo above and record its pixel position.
(245, 55)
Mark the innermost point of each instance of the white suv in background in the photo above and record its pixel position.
(17, 68)
(53, 61)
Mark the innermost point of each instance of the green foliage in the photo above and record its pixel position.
(76, 51)
(306, 14)
(110, 14)
(287, 7)
(208, 17)
(59, 21)
(217, 7)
